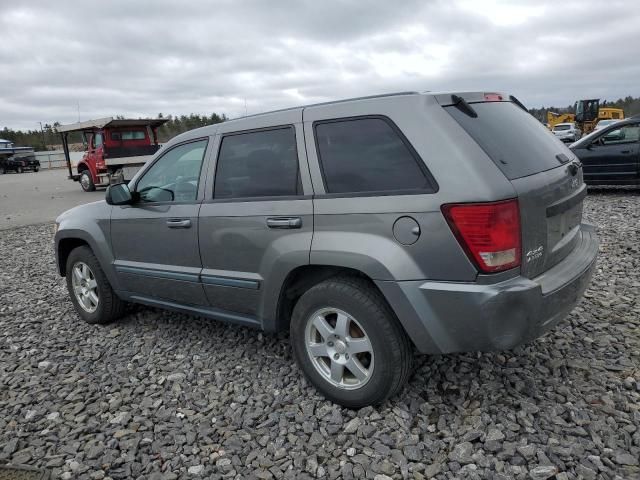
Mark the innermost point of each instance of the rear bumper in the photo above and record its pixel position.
(445, 317)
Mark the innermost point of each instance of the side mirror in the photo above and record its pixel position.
(119, 194)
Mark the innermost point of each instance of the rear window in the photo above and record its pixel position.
(562, 127)
(516, 142)
(128, 135)
(368, 154)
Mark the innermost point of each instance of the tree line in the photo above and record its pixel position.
(47, 138)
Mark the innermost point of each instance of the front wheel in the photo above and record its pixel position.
(349, 344)
(86, 182)
(19, 170)
(35, 169)
(90, 291)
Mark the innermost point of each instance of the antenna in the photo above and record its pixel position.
(245, 106)
(78, 111)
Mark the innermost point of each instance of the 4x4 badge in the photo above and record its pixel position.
(534, 254)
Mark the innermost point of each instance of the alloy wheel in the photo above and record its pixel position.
(339, 348)
(85, 287)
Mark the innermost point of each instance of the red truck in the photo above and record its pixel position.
(115, 149)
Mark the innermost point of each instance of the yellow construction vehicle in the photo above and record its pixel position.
(554, 118)
(589, 113)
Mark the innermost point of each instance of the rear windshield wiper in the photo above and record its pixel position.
(518, 103)
(462, 105)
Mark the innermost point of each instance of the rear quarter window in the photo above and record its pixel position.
(516, 142)
(369, 154)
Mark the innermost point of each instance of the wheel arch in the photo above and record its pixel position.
(83, 165)
(64, 249)
(301, 279)
(68, 240)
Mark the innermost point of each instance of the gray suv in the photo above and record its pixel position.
(368, 228)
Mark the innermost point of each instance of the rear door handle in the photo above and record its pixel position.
(284, 222)
(179, 223)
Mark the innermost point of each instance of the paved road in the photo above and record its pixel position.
(31, 198)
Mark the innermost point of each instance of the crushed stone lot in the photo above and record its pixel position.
(163, 395)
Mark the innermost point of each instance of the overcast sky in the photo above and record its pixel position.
(137, 58)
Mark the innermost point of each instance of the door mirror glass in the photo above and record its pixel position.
(119, 194)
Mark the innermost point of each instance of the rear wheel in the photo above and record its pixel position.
(3, 170)
(90, 291)
(349, 344)
(86, 182)
(19, 169)
(36, 168)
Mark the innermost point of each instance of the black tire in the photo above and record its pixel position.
(35, 169)
(110, 307)
(392, 349)
(86, 182)
(20, 170)
(3, 170)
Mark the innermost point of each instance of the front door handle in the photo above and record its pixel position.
(179, 223)
(284, 222)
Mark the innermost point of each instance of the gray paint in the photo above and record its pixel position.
(231, 266)
(444, 317)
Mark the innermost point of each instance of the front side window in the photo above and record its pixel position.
(258, 164)
(367, 155)
(97, 140)
(626, 134)
(175, 176)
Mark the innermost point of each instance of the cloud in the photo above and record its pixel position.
(142, 58)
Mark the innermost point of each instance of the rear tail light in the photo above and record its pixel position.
(488, 232)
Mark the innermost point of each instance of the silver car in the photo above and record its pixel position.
(567, 132)
(369, 228)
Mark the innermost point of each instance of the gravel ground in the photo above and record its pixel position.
(162, 395)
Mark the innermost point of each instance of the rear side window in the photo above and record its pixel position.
(258, 164)
(516, 142)
(368, 155)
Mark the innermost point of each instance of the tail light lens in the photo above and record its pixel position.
(488, 232)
